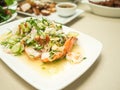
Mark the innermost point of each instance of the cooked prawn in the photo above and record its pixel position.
(66, 48)
(31, 53)
(74, 57)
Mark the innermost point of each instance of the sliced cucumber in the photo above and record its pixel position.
(17, 48)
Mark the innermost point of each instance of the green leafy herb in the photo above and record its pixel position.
(5, 14)
(84, 58)
(9, 2)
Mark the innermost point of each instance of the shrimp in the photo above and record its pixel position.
(74, 57)
(66, 48)
(31, 53)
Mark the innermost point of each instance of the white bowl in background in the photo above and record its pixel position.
(104, 10)
(66, 9)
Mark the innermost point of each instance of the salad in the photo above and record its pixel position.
(41, 39)
(5, 12)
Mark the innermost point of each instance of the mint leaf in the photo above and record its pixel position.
(1, 9)
(9, 2)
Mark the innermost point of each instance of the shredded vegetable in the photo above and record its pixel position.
(42, 39)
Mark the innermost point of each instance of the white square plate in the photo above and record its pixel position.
(56, 17)
(92, 49)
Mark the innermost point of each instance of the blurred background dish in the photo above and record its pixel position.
(48, 9)
(7, 11)
(8, 4)
(108, 3)
(36, 7)
(13, 16)
(65, 20)
(105, 8)
(66, 9)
